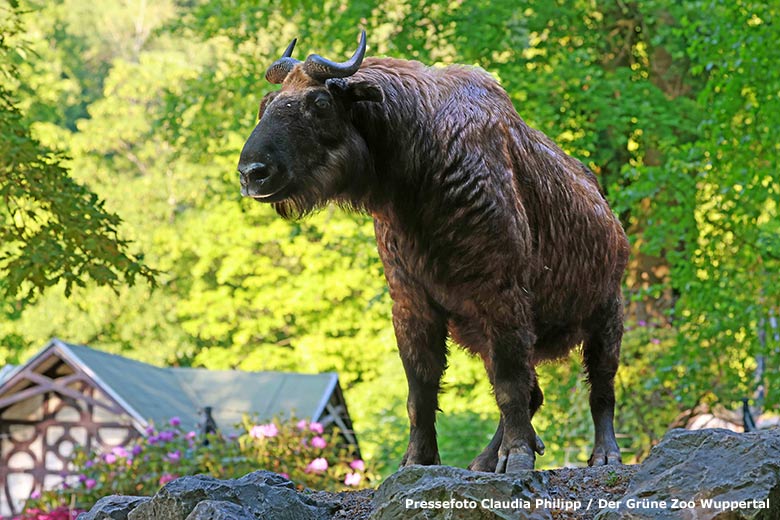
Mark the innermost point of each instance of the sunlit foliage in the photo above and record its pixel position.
(53, 229)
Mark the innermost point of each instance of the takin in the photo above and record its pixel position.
(488, 231)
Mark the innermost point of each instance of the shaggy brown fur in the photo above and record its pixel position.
(487, 230)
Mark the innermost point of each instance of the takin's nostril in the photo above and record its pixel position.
(256, 171)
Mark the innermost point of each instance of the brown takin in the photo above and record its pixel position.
(487, 230)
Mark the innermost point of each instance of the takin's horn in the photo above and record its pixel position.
(281, 67)
(320, 69)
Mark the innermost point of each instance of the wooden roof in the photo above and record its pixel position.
(153, 394)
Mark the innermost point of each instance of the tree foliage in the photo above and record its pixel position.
(53, 229)
(674, 105)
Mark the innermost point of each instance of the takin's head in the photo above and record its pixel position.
(305, 149)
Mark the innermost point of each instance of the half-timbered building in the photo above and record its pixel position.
(69, 395)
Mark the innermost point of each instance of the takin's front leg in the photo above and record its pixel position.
(421, 334)
(488, 459)
(513, 385)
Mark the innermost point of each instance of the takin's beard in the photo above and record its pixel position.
(305, 200)
(338, 180)
(311, 193)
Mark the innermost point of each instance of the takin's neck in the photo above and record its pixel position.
(413, 134)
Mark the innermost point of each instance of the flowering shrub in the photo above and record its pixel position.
(299, 450)
(58, 513)
(302, 452)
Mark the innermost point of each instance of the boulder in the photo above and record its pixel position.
(703, 475)
(220, 510)
(261, 494)
(423, 492)
(114, 507)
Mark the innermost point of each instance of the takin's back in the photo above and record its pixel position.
(471, 156)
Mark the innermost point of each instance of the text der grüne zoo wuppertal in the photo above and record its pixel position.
(599, 504)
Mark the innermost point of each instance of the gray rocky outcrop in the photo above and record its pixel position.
(696, 475)
(114, 507)
(703, 475)
(413, 493)
(261, 494)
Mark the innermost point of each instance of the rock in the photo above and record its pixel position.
(261, 494)
(741, 470)
(411, 494)
(114, 507)
(220, 510)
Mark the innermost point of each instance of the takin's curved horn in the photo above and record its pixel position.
(281, 67)
(320, 69)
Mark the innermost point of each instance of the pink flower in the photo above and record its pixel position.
(353, 479)
(174, 456)
(262, 431)
(655, 341)
(302, 424)
(110, 458)
(35, 495)
(175, 421)
(285, 475)
(318, 442)
(190, 436)
(167, 436)
(318, 465)
(358, 465)
(119, 451)
(316, 427)
(165, 478)
(90, 483)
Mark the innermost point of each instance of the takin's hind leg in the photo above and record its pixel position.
(488, 459)
(601, 355)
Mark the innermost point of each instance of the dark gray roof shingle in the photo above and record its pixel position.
(150, 393)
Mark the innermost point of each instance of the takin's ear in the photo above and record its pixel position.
(265, 102)
(352, 91)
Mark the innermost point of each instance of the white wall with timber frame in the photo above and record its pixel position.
(49, 407)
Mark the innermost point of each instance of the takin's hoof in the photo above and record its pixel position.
(487, 461)
(602, 457)
(423, 460)
(539, 447)
(515, 460)
(484, 462)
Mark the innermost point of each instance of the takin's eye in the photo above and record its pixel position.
(321, 102)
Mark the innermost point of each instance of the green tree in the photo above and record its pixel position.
(52, 229)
